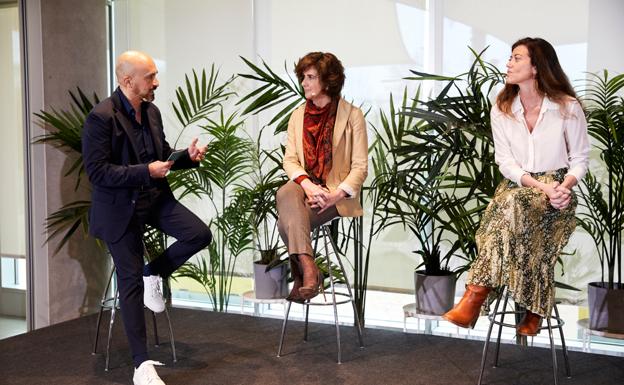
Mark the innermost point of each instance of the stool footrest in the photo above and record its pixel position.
(347, 299)
(492, 318)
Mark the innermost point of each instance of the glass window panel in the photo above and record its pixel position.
(12, 195)
(377, 56)
(13, 273)
(376, 59)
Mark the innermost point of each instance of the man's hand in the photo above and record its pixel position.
(158, 169)
(197, 153)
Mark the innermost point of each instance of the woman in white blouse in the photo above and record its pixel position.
(542, 148)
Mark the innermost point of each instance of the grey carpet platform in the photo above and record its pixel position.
(221, 349)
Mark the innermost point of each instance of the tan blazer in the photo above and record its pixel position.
(349, 154)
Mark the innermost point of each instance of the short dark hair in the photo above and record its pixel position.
(329, 68)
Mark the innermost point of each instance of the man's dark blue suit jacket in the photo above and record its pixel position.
(111, 156)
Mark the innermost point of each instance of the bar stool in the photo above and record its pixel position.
(324, 232)
(550, 326)
(112, 304)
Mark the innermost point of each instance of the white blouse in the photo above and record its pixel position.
(558, 140)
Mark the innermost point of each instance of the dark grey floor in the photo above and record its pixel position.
(220, 349)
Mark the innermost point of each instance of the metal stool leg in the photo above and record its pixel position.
(305, 327)
(500, 330)
(315, 235)
(173, 351)
(279, 350)
(110, 328)
(563, 344)
(102, 306)
(156, 342)
(487, 339)
(333, 290)
(358, 324)
(552, 349)
(97, 330)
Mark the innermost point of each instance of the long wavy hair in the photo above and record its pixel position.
(550, 78)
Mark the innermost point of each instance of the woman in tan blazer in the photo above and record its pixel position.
(326, 161)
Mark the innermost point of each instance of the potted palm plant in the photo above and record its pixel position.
(270, 272)
(602, 199)
(447, 178)
(64, 131)
(414, 202)
(225, 165)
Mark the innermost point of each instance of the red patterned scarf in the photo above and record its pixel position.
(318, 132)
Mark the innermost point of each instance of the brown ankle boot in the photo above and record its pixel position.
(530, 324)
(297, 276)
(312, 277)
(466, 312)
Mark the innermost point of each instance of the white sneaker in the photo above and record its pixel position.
(145, 374)
(152, 295)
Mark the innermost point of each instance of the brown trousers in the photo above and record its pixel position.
(296, 219)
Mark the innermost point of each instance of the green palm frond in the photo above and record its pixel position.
(602, 192)
(202, 273)
(64, 129)
(444, 173)
(190, 182)
(273, 91)
(201, 96)
(265, 178)
(226, 163)
(235, 222)
(220, 176)
(67, 220)
(155, 242)
(228, 160)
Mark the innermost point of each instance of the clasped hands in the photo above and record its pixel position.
(321, 198)
(160, 169)
(558, 195)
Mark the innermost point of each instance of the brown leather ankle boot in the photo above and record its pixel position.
(530, 324)
(466, 312)
(297, 275)
(311, 277)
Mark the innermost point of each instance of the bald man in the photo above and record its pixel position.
(125, 155)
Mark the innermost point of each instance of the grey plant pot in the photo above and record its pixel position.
(435, 294)
(271, 284)
(606, 307)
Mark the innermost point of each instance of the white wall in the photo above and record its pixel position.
(605, 29)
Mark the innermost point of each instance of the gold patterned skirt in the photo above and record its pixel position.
(519, 240)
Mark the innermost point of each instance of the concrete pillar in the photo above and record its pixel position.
(65, 47)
